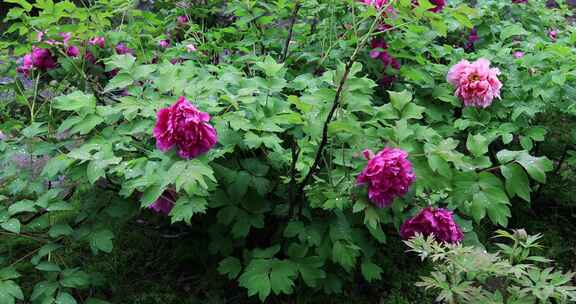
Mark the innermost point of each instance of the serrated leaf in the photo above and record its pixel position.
(371, 271)
(101, 240)
(230, 267)
(76, 101)
(400, 99)
(477, 144)
(517, 182)
(186, 207)
(282, 277)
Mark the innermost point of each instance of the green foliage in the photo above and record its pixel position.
(295, 98)
(510, 275)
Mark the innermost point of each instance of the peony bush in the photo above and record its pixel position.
(250, 125)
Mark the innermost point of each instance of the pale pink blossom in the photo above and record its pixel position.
(191, 48)
(476, 83)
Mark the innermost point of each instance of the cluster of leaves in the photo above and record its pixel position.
(294, 97)
(512, 274)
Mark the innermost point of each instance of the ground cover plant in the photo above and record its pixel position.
(278, 151)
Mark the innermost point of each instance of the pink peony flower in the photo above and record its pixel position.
(439, 5)
(39, 35)
(553, 35)
(388, 174)
(66, 37)
(122, 49)
(518, 54)
(165, 202)
(73, 51)
(99, 41)
(182, 20)
(438, 222)
(190, 48)
(476, 83)
(187, 128)
(163, 43)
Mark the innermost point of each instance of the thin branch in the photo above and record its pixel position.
(335, 104)
(290, 31)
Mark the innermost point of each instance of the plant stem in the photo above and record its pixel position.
(290, 31)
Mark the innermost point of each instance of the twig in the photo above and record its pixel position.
(335, 105)
(292, 189)
(290, 31)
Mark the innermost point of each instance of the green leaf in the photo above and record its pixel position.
(56, 165)
(517, 182)
(256, 279)
(371, 271)
(60, 229)
(44, 288)
(65, 298)
(477, 144)
(12, 225)
(101, 240)
(293, 229)
(345, 254)
(9, 292)
(121, 80)
(35, 129)
(231, 267)
(186, 207)
(76, 101)
(143, 71)
(22, 206)
(282, 276)
(87, 124)
(23, 3)
(535, 166)
(512, 30)
(400, 99)
(124, 62)
(8, 273)
(48, 267)
(74, 278)
(269, 66)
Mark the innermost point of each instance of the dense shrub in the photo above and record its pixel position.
(290, 138)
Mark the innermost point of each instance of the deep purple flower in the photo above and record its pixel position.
(182, 20)
(436, 221)
(163, 43)
(388, 175)
(90, 57)
(99, 41)
(379, 51)
(165, 202)
(73, 51)
(187, 128)
(472, 38)
(122, 49)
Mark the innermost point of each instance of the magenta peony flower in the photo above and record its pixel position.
(379, 47)
(99, 41)
(553, 35)
(90, 57)
(518, 54)
(472, 38)
(163, 43)
(122, 49)
(183, 125)
(26, 65)
(388, 174)
(476, 83)
(165, 202)
(438, 222)
(73, 51)
(39, 58)
(182, 20)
